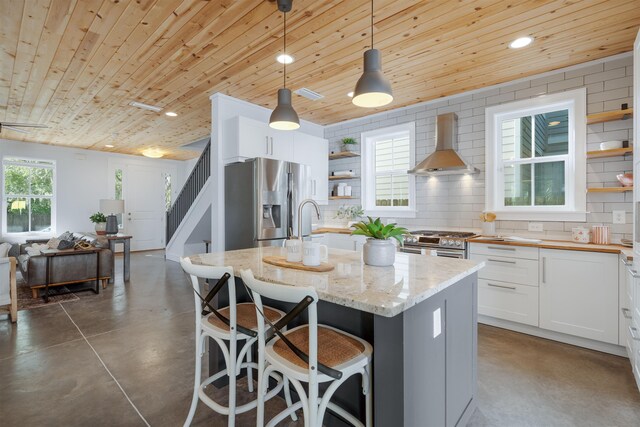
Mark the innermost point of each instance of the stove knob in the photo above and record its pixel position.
(450, 242)
(458, 243)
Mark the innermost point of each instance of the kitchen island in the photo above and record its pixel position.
(420, 316)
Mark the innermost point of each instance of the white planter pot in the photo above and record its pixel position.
(101, 228)
(379, 253)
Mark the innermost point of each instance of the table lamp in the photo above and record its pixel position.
(114, 207)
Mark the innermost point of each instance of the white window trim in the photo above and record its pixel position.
(54, 197)
(368, 174)
(575, 170)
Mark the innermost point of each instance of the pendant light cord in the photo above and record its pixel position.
(371, 24)
(284, 77)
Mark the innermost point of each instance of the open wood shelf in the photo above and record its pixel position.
(609, 189)
(340, 197)
(340, 178)
(609, 116)
(609, 153)
(343, 155)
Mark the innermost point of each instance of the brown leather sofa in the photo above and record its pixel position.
(72, 268)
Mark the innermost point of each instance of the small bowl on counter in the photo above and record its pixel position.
(626, 179)
(610, 145)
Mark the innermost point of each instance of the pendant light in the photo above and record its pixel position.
(373, 89)
(284, 117)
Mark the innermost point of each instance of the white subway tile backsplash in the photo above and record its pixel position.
(455, 203)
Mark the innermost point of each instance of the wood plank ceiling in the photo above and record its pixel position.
(75, 65)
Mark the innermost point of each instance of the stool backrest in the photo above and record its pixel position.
(210, 272)
(290, 294)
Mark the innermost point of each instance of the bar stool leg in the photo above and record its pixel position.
(231, 373)
(196, 387)
(249, 371)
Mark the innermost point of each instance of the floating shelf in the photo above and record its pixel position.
(609, 153)
(609, 189)
(609, 116)
(340, 178)
(340, 197)
(343, 155)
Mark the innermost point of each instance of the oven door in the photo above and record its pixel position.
(449, 253)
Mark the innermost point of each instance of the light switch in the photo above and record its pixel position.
(437, 323)
(619, 217)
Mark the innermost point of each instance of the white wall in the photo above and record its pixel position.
(82, 179)
(455, 202)
(224, 108)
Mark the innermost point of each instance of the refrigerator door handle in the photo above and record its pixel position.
(267, 150)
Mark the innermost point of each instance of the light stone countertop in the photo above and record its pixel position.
(385, 291)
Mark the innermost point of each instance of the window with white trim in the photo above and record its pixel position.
(536, 161)
(387, 155)
(28, 195)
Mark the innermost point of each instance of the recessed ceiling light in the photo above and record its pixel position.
(284, 58)
(171, 114)
(153, 153)
(350, 94)
(109, 146)
(556, 123)
(521, 42)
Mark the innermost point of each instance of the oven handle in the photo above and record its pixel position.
(450, 253)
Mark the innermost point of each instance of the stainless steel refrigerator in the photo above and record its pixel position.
(261, 202)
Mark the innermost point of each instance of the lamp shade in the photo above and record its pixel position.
(372, 89)
(111, 206)
(284, 117)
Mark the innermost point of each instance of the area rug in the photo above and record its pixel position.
(56, 294)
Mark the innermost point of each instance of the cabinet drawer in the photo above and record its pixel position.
(525, 252)
(506, 269)
(508, 301)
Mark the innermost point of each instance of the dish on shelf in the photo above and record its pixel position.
(610, 145)
(626, 242)
(626, 179)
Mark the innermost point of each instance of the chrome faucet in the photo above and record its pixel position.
(302, 204)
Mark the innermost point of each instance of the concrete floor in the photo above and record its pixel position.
(125, 357)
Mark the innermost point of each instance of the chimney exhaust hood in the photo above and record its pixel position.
(445, 160)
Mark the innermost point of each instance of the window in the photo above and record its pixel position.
(28, 195)
(387, 155)
(118, 195)
(536, 164)
(167, 191)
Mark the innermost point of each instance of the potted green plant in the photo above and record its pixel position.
(379, 250)
(100, 221)
(348, 144)
(349, 213)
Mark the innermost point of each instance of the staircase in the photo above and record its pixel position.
(190, 191)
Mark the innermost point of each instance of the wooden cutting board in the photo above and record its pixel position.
(281, 261)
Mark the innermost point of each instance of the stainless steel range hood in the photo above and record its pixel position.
(445, 160)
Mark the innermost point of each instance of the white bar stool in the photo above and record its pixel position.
(311, 354)
(233, 324)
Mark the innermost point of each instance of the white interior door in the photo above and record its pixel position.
(144, 204)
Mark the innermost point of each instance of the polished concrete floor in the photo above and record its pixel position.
(125, 358)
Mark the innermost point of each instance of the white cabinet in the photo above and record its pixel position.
(508, 301)
(579, 294)
(508, 284)
(247, 138)
(311, 150)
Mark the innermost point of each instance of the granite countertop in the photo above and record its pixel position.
(561, 244)
(385, 291)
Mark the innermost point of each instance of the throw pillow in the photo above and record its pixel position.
(32, 251)
(4, 249)
(67, 235)
(53, 243)
(66, 244)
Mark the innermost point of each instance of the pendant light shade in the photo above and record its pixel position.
(372, 89)
(284, 117)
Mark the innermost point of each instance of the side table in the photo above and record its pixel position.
(126, 241)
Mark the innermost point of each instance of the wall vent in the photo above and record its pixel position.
(309, 94)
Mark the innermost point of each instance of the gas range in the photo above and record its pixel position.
(441, 243)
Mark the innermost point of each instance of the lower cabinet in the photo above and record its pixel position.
(508, 301)
(579, 294)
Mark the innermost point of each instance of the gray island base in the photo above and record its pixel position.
(420, 316)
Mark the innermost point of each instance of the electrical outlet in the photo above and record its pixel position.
(619, 217)
(535, 226)
(437, 323)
